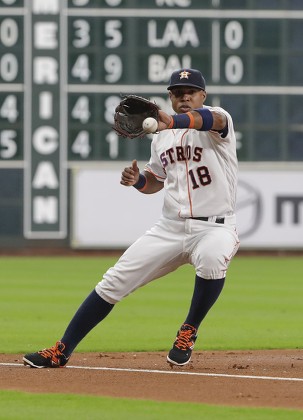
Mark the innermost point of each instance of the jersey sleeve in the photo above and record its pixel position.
(154, 166)
(227, 135)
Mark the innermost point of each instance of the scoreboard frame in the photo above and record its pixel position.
(65, 63)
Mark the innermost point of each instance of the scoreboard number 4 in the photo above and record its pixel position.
(81, 110)
(8, 109)
(81, 144)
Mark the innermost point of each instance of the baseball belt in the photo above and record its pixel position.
(206, 219)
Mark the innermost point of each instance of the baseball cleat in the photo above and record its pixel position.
(183, 346)
(47, 358)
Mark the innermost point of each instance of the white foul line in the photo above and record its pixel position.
(171, 372)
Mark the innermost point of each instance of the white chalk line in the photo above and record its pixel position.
(171, 372)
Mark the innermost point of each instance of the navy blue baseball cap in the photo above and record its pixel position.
(187, 77)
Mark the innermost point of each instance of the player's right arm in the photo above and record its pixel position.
(202, 119)
(144, 182)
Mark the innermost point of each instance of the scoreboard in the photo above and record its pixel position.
(64, 65)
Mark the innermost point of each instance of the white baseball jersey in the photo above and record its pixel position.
(199, 169)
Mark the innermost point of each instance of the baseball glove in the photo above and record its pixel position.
(130, 114)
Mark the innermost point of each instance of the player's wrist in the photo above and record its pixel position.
(207, 118)
(187, 120)
(141, 183)
(182, 121)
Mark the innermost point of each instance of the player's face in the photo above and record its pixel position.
(186, 98)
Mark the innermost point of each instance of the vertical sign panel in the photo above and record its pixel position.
(45, 130)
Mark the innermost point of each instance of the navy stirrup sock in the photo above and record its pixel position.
(89, 314)
(205, 294)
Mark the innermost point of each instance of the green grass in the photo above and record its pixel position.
(53, 406)
(260, 306)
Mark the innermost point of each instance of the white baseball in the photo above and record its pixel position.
(150, 125)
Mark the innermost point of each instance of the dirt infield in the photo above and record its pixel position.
(269, 378)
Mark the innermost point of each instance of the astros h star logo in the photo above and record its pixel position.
(184, 74)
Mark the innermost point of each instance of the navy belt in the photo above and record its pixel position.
(206, 219)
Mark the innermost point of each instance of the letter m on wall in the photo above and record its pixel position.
(288, 204)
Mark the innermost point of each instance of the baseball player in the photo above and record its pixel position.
(193, 158)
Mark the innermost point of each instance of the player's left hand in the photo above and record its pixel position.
(130, 175)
